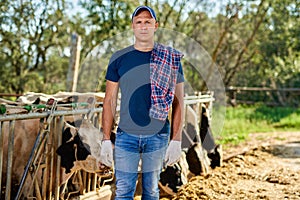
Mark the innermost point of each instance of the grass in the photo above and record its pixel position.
(240, 121)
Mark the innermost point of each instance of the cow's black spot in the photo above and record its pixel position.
(70, 150)
(171, 177)
(216, 157)
(193, 159)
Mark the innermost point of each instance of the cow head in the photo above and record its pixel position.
(197, 159)
(71, 149)
(173, 177)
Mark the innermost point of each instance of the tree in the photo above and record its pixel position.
(31, 33)
(253, 43)
(276, 61)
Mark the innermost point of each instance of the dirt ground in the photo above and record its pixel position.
(267, 166)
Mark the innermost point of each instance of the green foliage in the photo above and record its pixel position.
(271, 114)
(290, 122)
(29, 32)
(242, 120)
(104, 19)
(276, 61)
(253, 43)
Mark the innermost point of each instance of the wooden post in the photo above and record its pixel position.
(72, 76)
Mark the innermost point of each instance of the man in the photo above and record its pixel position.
(150, 78)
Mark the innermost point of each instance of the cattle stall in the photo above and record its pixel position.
(32, 170)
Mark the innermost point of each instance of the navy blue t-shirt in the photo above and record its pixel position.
(131, 68)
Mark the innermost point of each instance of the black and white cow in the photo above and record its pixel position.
(80, 139)
(173, 177)
(72, 149)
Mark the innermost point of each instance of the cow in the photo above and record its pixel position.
(216, 156)
(197, 159)
(80, 150)
(24, 138)
(173, 177)
(80, 139)
(72, 149)
(87, 139)
(214, 151)
(26, 132)
(191, 127)
(61, 97)
(202, 151)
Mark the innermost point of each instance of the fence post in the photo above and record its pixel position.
(10, 152)
(72, 76)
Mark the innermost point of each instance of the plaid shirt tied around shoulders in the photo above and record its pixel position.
(164, 65)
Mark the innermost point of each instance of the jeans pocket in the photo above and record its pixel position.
(119, 137)
(118, 134)
(163, 135)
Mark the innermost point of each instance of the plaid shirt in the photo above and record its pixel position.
(164, 65)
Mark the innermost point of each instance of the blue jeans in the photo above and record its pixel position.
(129, 150)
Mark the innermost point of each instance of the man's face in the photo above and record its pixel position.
(144, 26)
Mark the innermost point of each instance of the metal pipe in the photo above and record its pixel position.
(46, 169)
(36, 164)
(10, 152)
(46, 114)
(88, 182)
(81, 182)
(39, 139)
(94, 182)
(41, 106)
(59, 141)
(204, 96)
(194, 101)
(52, 156)
(37, 190)
(35, 182)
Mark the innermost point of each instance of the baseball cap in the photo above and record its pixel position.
(151, 11)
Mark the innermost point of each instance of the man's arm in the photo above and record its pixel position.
(109, 107)
(178, 112)
(173, 152)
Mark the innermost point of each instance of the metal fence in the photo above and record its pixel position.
(43, 157)
(43, 170)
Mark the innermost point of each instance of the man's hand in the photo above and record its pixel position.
(173, 152)
(106, 154)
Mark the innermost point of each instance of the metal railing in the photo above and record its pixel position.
(43, 158)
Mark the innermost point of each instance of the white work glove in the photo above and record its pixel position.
(173, 152)
(106, 153)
